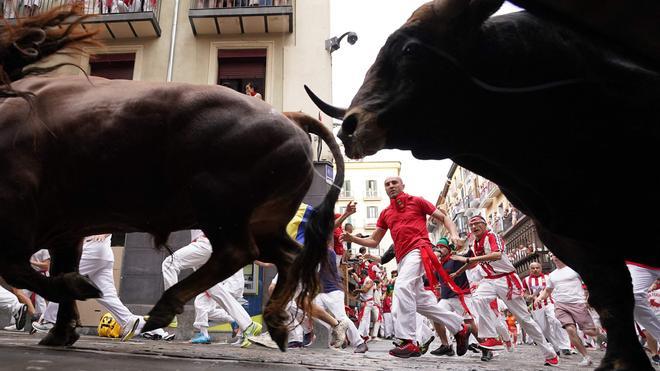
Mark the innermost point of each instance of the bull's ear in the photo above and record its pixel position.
(449, 9)
(480, 10)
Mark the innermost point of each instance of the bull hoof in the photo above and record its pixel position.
(161, 315)
(81, 287)
(60, 337)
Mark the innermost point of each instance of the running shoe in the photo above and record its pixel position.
(200, 338)
(585, 362)
(554, 361)
(20, 317)
(133, 328)
(362, 348)
(444, 350)
(474, 347)
(42, 327)
(462, 337)
(409, 349)
(253, 330)
(491, 344)
(425, 347)
(486, 355)
(338, 334)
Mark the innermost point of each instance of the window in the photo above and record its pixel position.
(372, 212)
(346, 189)
(238, 67)
(372, 188)
(342, 210)
(112, 66)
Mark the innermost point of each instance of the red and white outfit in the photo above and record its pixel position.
(338, 246)
(544, 313)
(406, 220)
(476, 276)
(39, 302)
(501, 281)
(369, 310)
(643, 277)
(388, 325)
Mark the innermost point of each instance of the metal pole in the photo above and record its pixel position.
(170, 63)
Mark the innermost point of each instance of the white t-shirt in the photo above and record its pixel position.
(40, 256)
(100, 250)
(195, 234)
(370, 293)
(567, 286)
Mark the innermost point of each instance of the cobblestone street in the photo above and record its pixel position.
(19, 351)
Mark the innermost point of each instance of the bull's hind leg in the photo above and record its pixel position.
(233, 248)
(610, 293)
(280, 250)
(64, 264)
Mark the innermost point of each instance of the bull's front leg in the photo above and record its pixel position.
(610, 293)
(230, 253)
(64, 264)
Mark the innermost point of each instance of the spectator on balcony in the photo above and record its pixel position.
(531, 249)
(31, 7)
(249, 87)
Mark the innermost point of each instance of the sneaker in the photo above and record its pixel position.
(308, 339)
(362, 348)
(474, 347)
(20, 317)
(565, 352)
(462, 337)
(486, 355)
(425, 347)
(42, 327)
(491, 344)
(151, 336)
(253, 330)
(133, 328)
(585, 362)
(554, 361)
(199, 338)
(168, 336)
(509, 346)
(444, 350)
(656, 359)
(339, 333)
(398, 342)
(409, 349)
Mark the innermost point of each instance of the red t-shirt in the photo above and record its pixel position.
(408, 226)
(338, 245)
(387, 304)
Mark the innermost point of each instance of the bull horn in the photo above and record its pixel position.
(329, 110)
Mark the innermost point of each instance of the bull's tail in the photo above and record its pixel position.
(320, 225)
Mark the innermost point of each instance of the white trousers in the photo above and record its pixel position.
(9, 305)
(333, 302)
(369, 314)
(490, 289)
(39, 302)
(388, 325)
(454, 304)
(423, 329)
(642, 279)
(100, 272)
(191, 256)
(411, 297)
(219, 295)
(551, 327)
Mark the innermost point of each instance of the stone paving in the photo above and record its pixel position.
(525, 357)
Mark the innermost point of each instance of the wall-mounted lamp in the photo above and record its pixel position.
(332, 43)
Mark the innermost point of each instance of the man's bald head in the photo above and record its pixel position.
(393, 186)
(535, 269)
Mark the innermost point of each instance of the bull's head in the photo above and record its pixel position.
(413, 79)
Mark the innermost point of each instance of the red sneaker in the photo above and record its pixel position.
(406, 350)
(554, 361)
(491, 344)
(462, 338)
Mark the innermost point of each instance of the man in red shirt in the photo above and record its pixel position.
(500, 281)
(406, 220)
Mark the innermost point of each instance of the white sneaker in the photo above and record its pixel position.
(42, 327)
(339, 334)
(585, 362)
(133, 328)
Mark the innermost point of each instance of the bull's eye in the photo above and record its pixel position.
(411, 48)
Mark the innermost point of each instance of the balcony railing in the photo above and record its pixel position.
(371, 193)
(216, 17)
(345, 194)
(118, 18)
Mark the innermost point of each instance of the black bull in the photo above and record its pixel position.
(86, 157)
(562, 122)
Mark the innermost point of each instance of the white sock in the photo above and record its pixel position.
(204, 331)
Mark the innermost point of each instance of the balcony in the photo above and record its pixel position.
(371, 195)
(231, 17)
(127, 19)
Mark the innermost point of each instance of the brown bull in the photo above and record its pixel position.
(87, 157)
(565, 106)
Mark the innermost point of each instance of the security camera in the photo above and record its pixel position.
(352, 38)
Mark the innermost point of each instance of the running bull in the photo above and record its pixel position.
(544, 111)
(82, 157)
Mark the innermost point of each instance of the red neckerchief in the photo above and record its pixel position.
(399, 202)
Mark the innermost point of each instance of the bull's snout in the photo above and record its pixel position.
(348, 128)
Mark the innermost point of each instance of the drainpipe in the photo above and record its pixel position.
(170, 62)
